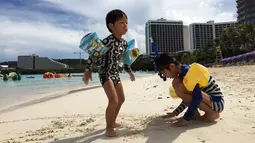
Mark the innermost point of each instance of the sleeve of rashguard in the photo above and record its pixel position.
(196, 100)
(89, 64)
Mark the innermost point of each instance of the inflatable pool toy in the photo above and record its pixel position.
(5, 77)
(15, 77)
(48, 75)
(131, 53)
(58, 75)
(172, 92)
(12, 76)
(197, 74)
(91, 44)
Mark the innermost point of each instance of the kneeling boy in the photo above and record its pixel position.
(195, 86)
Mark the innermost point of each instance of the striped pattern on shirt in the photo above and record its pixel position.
(212, 88)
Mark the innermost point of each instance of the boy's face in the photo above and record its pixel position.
(121, 26)
(170, 71)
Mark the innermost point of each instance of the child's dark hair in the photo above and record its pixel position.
(164, 60)
(114, 16)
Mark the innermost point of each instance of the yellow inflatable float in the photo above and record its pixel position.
(172, 92)
(197, 74)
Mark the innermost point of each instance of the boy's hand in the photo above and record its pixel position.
(132, 76)
(180, 122)
(86, 77)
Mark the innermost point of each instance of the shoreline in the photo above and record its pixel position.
(53, 95)
(46, 97)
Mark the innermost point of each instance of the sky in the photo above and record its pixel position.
(53, 28)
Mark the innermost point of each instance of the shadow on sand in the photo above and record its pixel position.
(157, 130)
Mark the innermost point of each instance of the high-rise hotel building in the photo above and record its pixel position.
(201, 34)
(168, 36)
(245, 11)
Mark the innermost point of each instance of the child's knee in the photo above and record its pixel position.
(113, 102)
(212, 116)
(121, 100)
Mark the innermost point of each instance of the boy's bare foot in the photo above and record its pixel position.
(110, 132)
(210, 117)
(116, 125)
(197, 116)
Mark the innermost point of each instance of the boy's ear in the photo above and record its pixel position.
(111, 26)
(171, 66)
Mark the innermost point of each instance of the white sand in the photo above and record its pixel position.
(79, 116)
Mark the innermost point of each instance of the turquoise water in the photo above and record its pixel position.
(15, 92)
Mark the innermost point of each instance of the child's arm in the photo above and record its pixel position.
(180, 108)
(196, 100)
(129, 71)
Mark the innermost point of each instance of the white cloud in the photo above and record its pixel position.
(139, 12)
(28, 38)
(143, 10)
(34, 37)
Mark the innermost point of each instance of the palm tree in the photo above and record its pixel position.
(247, 36)
(216, 42)
(242, 29)
(233, 37)
(252, 36)
(225, 43)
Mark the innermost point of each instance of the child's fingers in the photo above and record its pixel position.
(170, 120)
